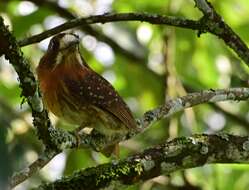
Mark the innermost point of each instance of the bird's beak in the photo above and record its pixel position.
(72, 45)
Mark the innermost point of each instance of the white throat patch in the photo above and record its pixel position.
(60, 57)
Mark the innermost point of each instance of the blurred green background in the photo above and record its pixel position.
(148, 65)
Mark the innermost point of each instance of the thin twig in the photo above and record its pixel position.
(105, 18)
(213, 24)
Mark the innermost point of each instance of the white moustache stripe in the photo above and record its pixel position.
(58, 58)
(79, 58)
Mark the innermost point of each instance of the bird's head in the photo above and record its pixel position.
(63, 49)
(64, 43)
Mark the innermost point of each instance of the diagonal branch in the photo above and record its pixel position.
(215, 24)
(178, 154)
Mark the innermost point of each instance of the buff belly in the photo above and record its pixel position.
(84, 115)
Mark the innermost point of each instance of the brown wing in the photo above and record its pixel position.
(95, 90)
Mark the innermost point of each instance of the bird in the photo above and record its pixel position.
(74, 92)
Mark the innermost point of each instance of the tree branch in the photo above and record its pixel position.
(180, 153)
(133, 56)
(28, 84)
(90, 30)
(30, 92)
(109, 17)
(210, 22)
(204, 7)
(98, 142)
(63, 139)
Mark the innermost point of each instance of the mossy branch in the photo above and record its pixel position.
(178, 154)
(28, 84)
(98, 141)
(63, 139)
(29, 90)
